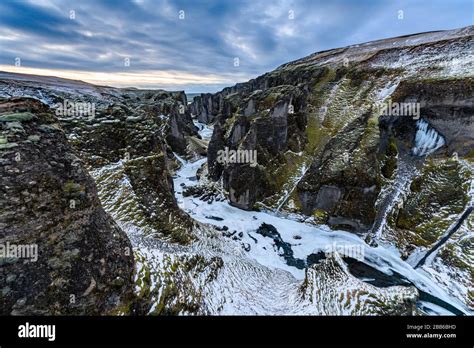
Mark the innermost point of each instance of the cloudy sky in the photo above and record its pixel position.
(193, 44)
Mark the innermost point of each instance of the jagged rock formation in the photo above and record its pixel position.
(448, 106)
(173, 284)
(340, 182)
(130, 138)
(147, 201)
(126, 123)
(426, 212)
(320, 112)
(84, 260)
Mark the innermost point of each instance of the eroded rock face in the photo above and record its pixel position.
(48, 200)
(130, 128)
(126, 123)
(140, 129)
(204, 107)
(435, 196)
(236, 180)
(344, 181)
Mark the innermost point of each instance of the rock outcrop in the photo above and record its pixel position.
(48, 204)
(126, 123)
(448, 105)
(153, 187)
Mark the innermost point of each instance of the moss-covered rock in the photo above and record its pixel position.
(84, 263)
(435, 200)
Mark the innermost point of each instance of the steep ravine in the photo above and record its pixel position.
(453, 229)
(386, 266)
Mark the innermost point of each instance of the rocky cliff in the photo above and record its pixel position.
(67, 255)
(142, 129)
(121, 136)
(330, 287)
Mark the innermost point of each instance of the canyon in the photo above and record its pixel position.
(135, 213)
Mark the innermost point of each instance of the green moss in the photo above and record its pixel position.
(373, 122)
(71, 188)
(321, 87)
(470, 155)
(19, 117)
(415, 185)
(320, 216)
(392, 149)
(14, 127)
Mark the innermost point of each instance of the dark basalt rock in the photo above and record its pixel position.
(339, 185)
(238, 180)
(140, 127)
(260, 122)
(47, 198)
